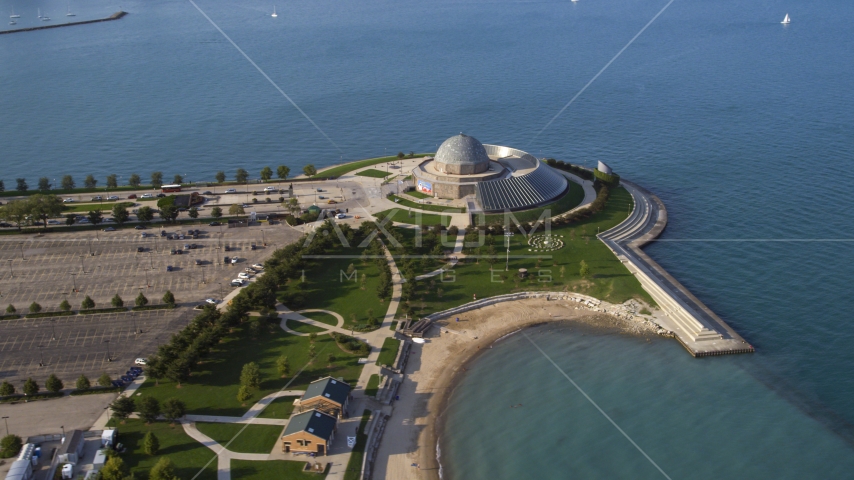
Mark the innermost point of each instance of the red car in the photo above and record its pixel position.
(131, 196)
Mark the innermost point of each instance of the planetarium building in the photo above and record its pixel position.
(497, 178)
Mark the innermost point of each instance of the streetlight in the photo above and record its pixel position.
(263, 238)
(507, 236)
(22, 250)
(10, 269)
(53, 328)
(63, 431)
(133, 317)
(220, 292)
(41, 356)
(82, 266)
(74, 282)
(109, 357)
(6, 421)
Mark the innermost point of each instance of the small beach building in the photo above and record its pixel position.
(309, 432)
(329, 395)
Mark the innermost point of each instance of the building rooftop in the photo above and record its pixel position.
(314, 422)
(462, 150)
(328, 387)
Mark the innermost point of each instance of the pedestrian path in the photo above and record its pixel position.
(458, 249)
(286, 314)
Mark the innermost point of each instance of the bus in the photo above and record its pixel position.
(170, 188)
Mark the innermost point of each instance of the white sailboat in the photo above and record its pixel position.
(786, 20)
(12, 22)
(13, 14)
(274, 12)
(69, 14)
(44, 18)
(40, 12)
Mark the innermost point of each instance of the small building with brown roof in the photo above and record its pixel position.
(309, 432)
(329, 395)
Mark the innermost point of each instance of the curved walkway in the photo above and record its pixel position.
(287, 314)
(458, 249)
(587, 185)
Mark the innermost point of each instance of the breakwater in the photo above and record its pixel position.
(114, 16)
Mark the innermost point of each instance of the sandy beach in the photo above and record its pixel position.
(408, 446)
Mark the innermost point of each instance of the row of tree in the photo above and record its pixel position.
(87, 304)
(53, 384)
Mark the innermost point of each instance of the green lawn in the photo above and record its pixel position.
(570, 199)
(212, 389)
(328, 288)
(339, 170)
(388, 352)
(425, 206)
(281, 407)
(273, 469)
(244, 438)
(402, 216)
(373, 385)
(188, 455)
(354, 465)
(373, 173)
(321, 317)
(303, 327)
(417, 194)
(610, 280)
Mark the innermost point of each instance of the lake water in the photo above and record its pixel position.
(742, 126)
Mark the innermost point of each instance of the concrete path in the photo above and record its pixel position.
(286, 314)
(458, 249)
(587, 185)
(101, 423)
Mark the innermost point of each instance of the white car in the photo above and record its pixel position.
(97, 198)
(68, 200)
(340, 216)
(243, 275)
(147, 195)
(258, 266)
(237, 282)
(112, 197)
(231, 190)
(234, 259)
(269, 189)
(140, 361)
(211, 301)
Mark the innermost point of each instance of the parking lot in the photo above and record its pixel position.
(48, 269)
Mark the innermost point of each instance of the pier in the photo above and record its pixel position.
(694, 324)
(114, 16)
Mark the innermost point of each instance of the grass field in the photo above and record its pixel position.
(281, 407)
(373, 385)
(303, 327)
(349, 167)
(244, 438)
(610, 280)
(188, 455)
(402, 216)
(272, 469)
(388, 352)
(212, 389)
(417, 194)
(373, 173)
(321, 317)
(570, 199)
(425, 206)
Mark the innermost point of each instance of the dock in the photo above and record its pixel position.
(114, 16)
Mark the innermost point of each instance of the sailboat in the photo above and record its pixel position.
(274, 12)
(69, 14)
(40, 12)
(786, 20)
(44, 18)
(13, 14)
(12, 22)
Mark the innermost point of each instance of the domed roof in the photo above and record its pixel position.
(462, 150)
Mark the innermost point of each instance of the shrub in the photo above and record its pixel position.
(87, 303)
(104, 380)
(168, 298)
(243, 394)
(250, 376)
(65, 306)
(141, 300)
(10, 445)
(117, 301)
(31, 387)
(150, 444)
(10, 309)
(164, 469)
(53, 384)
(6, 389)
(83, 383)
(35, 308)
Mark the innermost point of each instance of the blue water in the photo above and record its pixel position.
(742, 126)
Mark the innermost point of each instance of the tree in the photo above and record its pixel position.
(141, 300)
(6, 389)
(65, 306)
(70, 219)
(89, 181)
(145, 214)
(164, 469)
(10, 445)
(104, 380)
(44, 183)
(266, 174)
(236, 210)
(312, 337)
(330, 359)
(35, 308)
(67, 182)
(220, 176)
(250, 376)
(177, 179)
(169, 212)
(134, 180)
(17, 211)
(150, 443)
(309, 170)
(120, 213)
(2, 186)
(114, 469)
(112, 181)
(168, 298)
(400, 155)
(193, 212)
(283, 366)
(216, 212)
(95, 216)
(53, 384)
(282, 172)
(87, 303)
(157, 179)
(44, 207)
(243, 394)
(173, 409)
(22, 185)
(149, 409)
(83, 383)
(585, 270)
(312, 351)
(241, 176)
(122, 407)
(11, 309)
(31, 387)
(117, 301)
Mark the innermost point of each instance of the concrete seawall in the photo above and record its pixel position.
(114, 16)
(694, 324)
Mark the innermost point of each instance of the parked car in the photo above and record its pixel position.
(169, 268)
(237, 282)
(227, 248)
(118, 383)
(319, 189)
(231, 190)
(161, 195)
(234, 259)
(127, 379)
(214, 224)
(132, 373)
(211, 301)
(68, 200)
(257, 266)
(140, 227)
(340, 216)
(83, 220)
(147, 195)
(53, 222)
(140, 249)
(243, 275)
(252, 247)
(207, 192)
(187, 246)
(113, 197)
(109, 229)
(226, 259)
(270, 189)
(132, 196)
(198, 262)
(97, 198)
(250, 270)
(321, 197)
(141, 361)
(137, 369)
(331, 202)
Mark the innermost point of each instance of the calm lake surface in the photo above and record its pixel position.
(744, 127)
